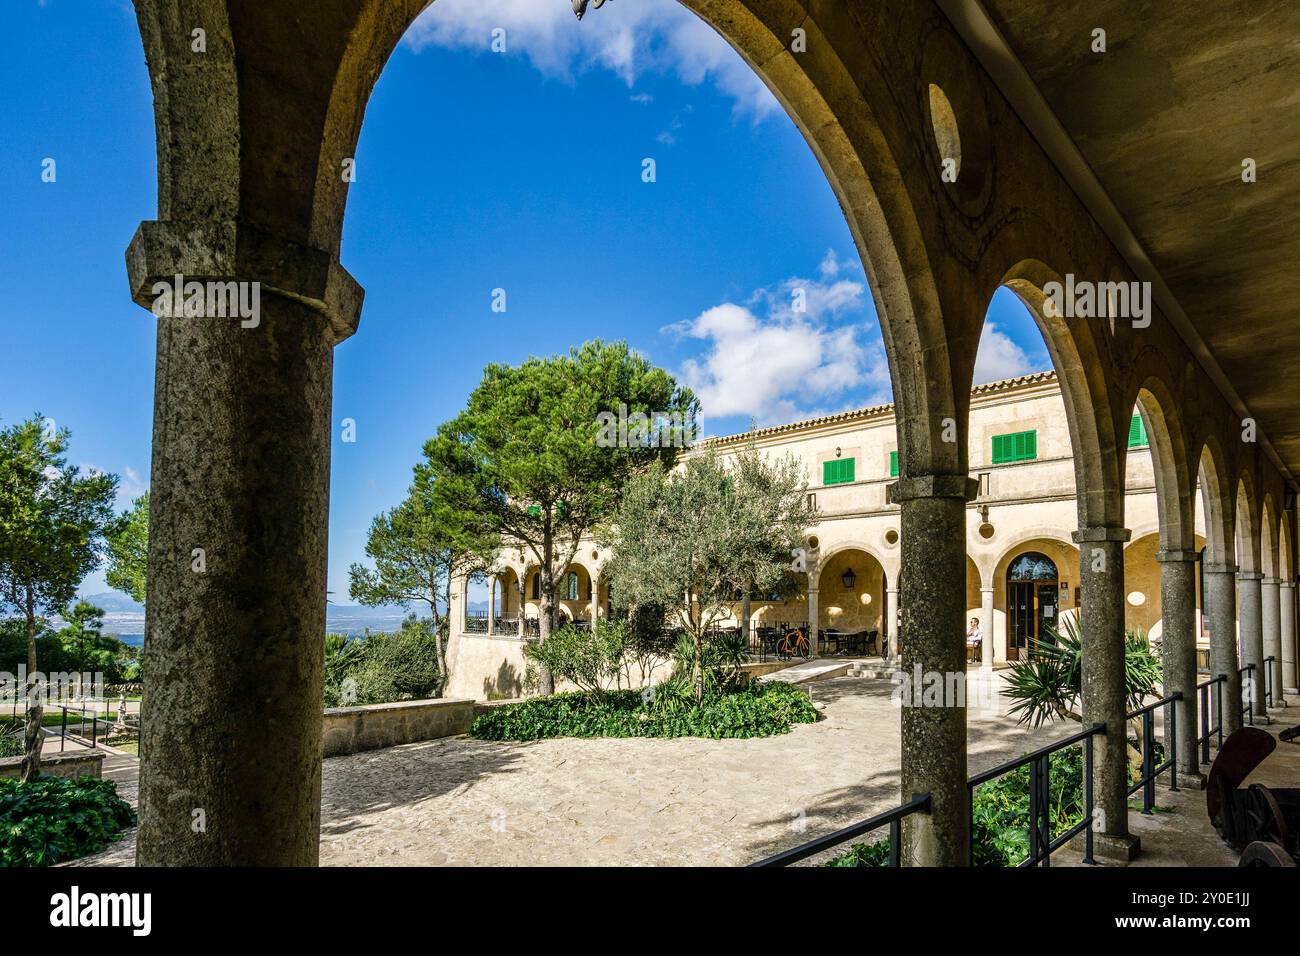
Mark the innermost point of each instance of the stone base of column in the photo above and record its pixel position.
(1116, 849)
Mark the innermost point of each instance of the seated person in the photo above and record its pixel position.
(974, 636)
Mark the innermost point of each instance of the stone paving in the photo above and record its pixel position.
(458, 801)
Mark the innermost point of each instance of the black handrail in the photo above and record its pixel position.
(1268, 681)
(1247, 700)
(920, 803)
(1041, 842)
(1147, 783)
(1206, 731)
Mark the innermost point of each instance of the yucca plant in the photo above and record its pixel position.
(1048, 686)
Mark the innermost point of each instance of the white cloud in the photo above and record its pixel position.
(766, 361)
(627, 37)
(998, 357)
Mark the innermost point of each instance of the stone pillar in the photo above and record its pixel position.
(1101, 616)
(1178, 653)
(492, 605)
(595, 600)
(1251, 615)
(232, 717)
(932, 585)
(813, 611)
(1271, 617)
(986, 626)
(462, 596)
(889, 629)
(1286, 601)
(744, 616)
(519, 586)
(1221, 585)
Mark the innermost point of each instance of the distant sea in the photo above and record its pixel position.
(350, 619)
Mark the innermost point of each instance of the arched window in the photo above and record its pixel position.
(1032, 566)
(537, 586)
(571, 586)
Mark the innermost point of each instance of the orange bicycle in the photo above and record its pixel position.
(793, 642)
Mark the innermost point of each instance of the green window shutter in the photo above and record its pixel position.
(1137, 433)
(1017, 446)
(837, 472)
(535, 510)
(893, 464)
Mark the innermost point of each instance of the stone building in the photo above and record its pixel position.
(1021, 570)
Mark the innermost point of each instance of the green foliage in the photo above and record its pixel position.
(1000, 815)
(127, 537)
(524, 455)
(417, 549)
(589, 659)
(11, 737)
(688, 540)
(383, 667)
(761, 710)
(1048, 686)
(49, 819)
(86, 648)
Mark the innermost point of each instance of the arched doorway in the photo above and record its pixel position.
(1033, 602)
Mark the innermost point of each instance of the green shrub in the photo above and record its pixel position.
(588, 659)
(762, 710)
(50, 819)
(1000, 815)
(402, 665)
(11, 737)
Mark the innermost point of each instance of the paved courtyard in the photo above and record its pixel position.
(687, 801)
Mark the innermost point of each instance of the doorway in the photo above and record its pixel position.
(1033, 603)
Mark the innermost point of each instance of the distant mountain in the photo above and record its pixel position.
(113, 601)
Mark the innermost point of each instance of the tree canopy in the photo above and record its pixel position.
(127, 537)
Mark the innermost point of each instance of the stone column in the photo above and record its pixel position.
(1101, 616)
(1286, 600)
(1251, 615)
(462, 595)
(1221, 585)
(744, 616)
(813, 611)
(1178, 653)
(932, 585)
(986, 625)
(1271, 617)
(595, 600)
(492, 605)
(231, 724)
(520, 588)
(890, 627)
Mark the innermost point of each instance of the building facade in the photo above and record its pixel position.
(1022, 567)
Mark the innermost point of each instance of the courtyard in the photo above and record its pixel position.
(685, 802)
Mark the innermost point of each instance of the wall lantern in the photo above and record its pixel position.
(849, 579)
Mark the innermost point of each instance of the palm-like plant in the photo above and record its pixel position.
(1048, 685)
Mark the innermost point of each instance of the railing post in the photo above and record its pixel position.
(63, 729)
(1205, 723)
(1034, 810)
(1148, 761)
(1218, 696)
(895, 843)
(1172, 711)
(1087, 799)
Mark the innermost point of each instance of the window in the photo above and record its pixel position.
(537, 586)
(571, 586)
(1137, 433)
(893, 464)
(837, 471)
(1017, 446)
(535, 510)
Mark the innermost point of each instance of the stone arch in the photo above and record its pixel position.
(1080, 356)
(1247, 523)
(1174, 485)
(1218, 506)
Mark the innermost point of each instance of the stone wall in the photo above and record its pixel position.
(77, 763)
(353, 729)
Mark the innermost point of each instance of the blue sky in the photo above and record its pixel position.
(475, 171)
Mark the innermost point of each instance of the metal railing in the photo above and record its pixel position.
(1206, 730)
(476, 623)
(920, 803)
(1147, 782)
(1041, 842)
(1268, 681)
(1247, 700)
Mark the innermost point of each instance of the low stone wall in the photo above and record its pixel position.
(77, 763)
(349, 730)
